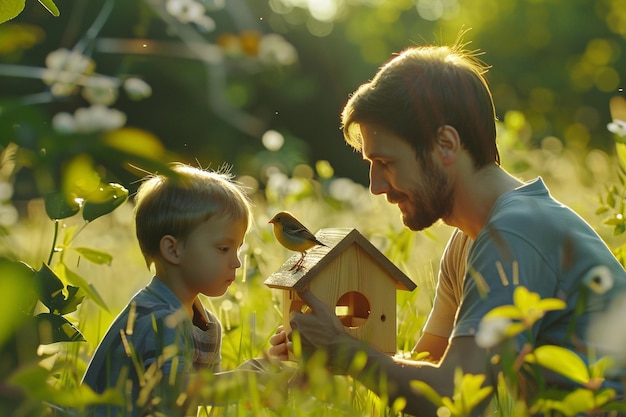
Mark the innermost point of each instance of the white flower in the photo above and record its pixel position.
(89, 119)
(273, 140)
(98, 117)
(101, 90)
(65, 69)
(64, 123)
(8, 215)
(606, 332)
(617, 127)
(185, 10)
(137, 89)
(492, 331)
(599, 279)
(274, 49)
(6, 190)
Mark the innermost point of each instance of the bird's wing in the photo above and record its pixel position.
(293, 225)
(304, 233)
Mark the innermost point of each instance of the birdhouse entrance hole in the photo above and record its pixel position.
(353, 309)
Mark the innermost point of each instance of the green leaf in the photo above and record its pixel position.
(601, 210)
(621, 153)
(51, 7)
(50, 288)
(560, 360)
(103, 201)
(10, 9)
(34, 380)
(73, 300)
(610, 198)
(60, 206)
(95, 256)
(424, 389)
(16, 287)
(614, 221)
(578, 401)
(79, 281)
(52, 293)
(599, 368)
(54, 328)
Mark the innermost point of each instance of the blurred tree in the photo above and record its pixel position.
(223, 73)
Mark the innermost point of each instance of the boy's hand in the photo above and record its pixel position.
(280, 345)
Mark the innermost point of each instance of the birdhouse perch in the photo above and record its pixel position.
(352, 277)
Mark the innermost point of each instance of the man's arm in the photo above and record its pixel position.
(381, 374)
(435, 346)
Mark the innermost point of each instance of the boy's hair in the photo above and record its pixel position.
(421, 90)
(176, 202)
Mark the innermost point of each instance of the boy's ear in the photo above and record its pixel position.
(169, 249)
(448, 144)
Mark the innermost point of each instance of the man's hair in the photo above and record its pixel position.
(422, 89)
(177, 202)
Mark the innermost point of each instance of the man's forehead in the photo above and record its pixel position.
(371, 143)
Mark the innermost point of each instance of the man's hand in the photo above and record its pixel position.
(318, 329)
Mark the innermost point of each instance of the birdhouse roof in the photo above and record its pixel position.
(337, 241)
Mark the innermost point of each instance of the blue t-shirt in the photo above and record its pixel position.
(532, 240)
(160, 336)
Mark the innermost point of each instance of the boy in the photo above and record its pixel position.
(190, 226)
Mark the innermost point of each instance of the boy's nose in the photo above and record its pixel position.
(237, 261)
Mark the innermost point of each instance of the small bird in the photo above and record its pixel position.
(293, 235)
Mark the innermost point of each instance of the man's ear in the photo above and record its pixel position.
(170, 250)
(448, 144)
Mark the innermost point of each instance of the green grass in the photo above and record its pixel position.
(250, 311)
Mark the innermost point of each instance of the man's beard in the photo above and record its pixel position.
(433, 201)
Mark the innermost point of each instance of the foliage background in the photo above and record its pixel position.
(217, 98)
(556, 61)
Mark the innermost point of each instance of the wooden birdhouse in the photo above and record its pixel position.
(353, 278)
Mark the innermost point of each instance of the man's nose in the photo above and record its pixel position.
(378, 183)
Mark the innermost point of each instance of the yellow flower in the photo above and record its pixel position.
(469, 392)
(528, 307)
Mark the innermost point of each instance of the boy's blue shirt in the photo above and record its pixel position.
(160, 334)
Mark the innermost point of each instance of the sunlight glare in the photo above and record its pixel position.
(324, 10)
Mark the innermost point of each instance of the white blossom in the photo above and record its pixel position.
(190, 11)
(492, 331)
(599, 279)
(101, 90)
(274, 49)
(137, 89)
(273, 140)
(6, 190)
(64, 70)
(89, 119)
(606, 332)
(8, 215)
(617, 127)
(64, 123)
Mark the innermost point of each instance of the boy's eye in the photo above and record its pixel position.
(223, 248)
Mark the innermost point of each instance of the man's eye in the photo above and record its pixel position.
(223, 248)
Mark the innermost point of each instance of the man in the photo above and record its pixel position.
(426, 125)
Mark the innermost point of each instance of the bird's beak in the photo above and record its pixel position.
(271, 222)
